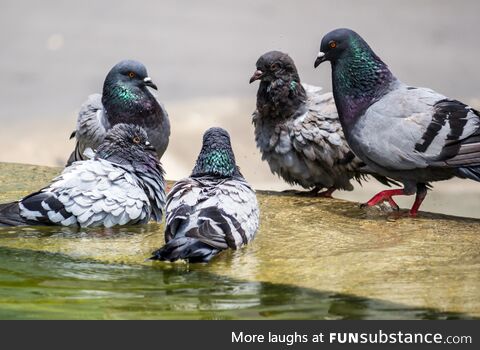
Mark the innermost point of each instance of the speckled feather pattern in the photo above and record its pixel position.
(96, 193)
(231, 197)
(123, 183)
(307, 148)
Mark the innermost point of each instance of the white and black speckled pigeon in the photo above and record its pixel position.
(414, 135)
(125, 99)
(212, 210)
(122, 184)
(298, 131)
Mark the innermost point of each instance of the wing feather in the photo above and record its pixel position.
(220, 213)
(91, 127)
(85, 195)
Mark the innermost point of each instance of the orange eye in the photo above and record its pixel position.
(332, 44)
(136, 140)
(273, 67)
(131, 74)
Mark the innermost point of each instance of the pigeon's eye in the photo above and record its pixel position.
(136, 140)
(332, 44)
(131, 74)
(274, 66)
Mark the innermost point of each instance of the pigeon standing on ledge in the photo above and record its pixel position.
(123, 184)
(414, 135)
(212, 210)
(125, 99)
(298, 131)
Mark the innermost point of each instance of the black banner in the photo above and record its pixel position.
(241, 334)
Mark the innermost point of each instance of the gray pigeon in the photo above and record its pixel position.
(414, 135)
(122, 184)
(213, 209)
(125, 99)
(298, 131)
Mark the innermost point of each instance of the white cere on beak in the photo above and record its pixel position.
(320, 54)
(147, 143)
(147, 79)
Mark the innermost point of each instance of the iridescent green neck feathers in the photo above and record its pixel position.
(219, 162)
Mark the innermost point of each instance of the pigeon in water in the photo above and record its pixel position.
(125, 99)
(298, 131)
(121, 184)
(212, 210)
(414, 135)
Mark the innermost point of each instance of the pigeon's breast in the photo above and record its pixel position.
(275, 142)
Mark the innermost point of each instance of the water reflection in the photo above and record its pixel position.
(44, 285)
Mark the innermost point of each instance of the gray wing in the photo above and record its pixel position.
(89, 193)
(91, 127)
(318, 134)
(160, 136)
(223, 214)
(418, 127)
(319, 137)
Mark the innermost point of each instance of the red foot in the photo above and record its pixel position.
(385, 196)
(421, 194)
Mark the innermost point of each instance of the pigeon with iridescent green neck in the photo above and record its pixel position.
(125, 99)
(413, 135)
(212, 210)
(298, 132)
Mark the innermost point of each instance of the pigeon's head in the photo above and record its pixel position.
(339, 43)
(216, 157)
(275, 65)
(127, 141)
(129, 73)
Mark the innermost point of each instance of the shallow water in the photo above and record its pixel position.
(312, 259)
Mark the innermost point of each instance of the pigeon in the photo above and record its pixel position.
(298, 131)
(125, 99)
(411, 134)
(123, 183)
(212, 210)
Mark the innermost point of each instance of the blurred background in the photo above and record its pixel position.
(201, 55)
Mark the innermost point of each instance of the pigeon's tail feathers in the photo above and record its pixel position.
(364, 170)
(469, 173)
(385, 180)
(10, 215)
(185, 248)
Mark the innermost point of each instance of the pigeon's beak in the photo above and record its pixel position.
(320, 58)
(149, 147)
(257, 75)
(148, 81)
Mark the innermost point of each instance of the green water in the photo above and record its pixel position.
(313, 258)
(39, 285)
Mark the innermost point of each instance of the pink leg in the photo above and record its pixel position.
(385, 196)
(421, 194)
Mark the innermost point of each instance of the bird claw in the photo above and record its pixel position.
(384, 196)
(393, 204)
